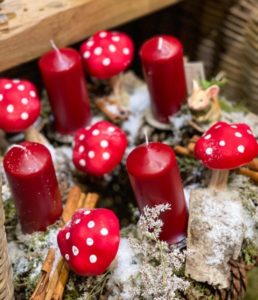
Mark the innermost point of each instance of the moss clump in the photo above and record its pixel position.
(250, 252)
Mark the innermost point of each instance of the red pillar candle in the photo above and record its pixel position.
(155, 179)
(163, 68)
(63, 76)
(32, 179)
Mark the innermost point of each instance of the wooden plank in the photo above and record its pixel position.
(32, 23)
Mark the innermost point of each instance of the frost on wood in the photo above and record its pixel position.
(216, 232)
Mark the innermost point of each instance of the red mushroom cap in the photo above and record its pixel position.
(99, 149)
(226, 146)
(90, 242)
(107, 53)
(20, 106)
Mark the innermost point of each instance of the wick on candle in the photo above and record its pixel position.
(61, 58)
(160, 43)
(146, 138)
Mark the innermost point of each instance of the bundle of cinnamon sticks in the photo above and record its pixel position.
(250, 170)
(52, 281)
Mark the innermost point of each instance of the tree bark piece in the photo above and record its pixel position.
(6, 280)
(215, 235)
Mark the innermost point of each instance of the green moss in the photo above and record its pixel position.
(233, 107)
(250, 252)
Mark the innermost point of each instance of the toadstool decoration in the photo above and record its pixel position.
(20, 107)
(204, 104)
(99, 148)
(90, 242)
(106, 55)
(224, 147)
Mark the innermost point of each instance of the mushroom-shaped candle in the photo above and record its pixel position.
(99, 148)
(90, 242)
(106, 55)
(226, 146)
(20, 106)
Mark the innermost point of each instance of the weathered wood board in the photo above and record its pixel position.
(26, 26)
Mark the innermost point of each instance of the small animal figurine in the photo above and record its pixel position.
(204, 103)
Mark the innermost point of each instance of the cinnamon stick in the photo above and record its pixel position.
(71, 203)
(40, 290)
(249, 173)
(253, 165)
(182, 150)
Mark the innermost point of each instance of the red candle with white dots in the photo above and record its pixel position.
(63, 76)
(33, 183)
(20, 105)
(155, 180)
(163, 67)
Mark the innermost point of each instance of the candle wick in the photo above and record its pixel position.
(60, 56)
(160, 43)
(146, 138)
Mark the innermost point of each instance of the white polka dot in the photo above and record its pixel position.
(75, 250)
(106, 61)
(106, 155)
(81, 137)
(24, 116)
(112, 48)
(111, 129)
(126, 51)
(104, 144)
(10, 108)
(8, 86)
(67, 236)
(208, 151)
(104, 231)
(222, 143)
(16, 80)
(93, 258)
(233, 126)
(21, 87)
(95, 132)
(89, 241)
(24, 101)
(1, 97)
(103, 34)
(98, 51)
(115, 38)
(249, 131)
(238, 134)
(87, 212)
(91, 224)
(217, 127)
(208, 136)
(32, 94)
(91, 154)
(81, 148)
(86, 54)
(67, 257)
(82, 162)
(241, 149)
(90, 43)
(77, 221)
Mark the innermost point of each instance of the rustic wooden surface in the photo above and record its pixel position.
(26, 26)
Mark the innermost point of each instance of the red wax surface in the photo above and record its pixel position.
(32, 179)
(63, 76)
(155, 179)
(163, 68)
